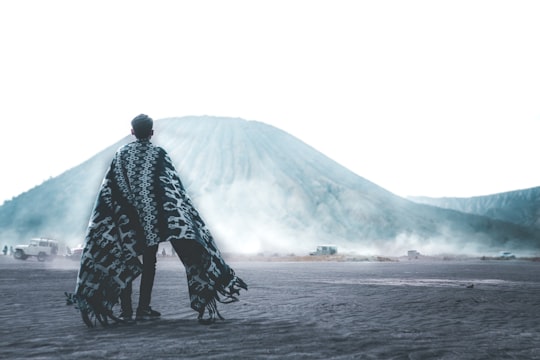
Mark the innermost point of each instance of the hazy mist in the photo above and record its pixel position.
(262, 190)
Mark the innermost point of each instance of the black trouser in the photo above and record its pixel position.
(147, 283)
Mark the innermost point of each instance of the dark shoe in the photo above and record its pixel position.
(147, 314)
(126, 318)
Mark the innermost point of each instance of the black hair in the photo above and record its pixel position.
(142, 126)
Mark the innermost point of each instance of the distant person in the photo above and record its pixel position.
(5, 250)
(142, 203)
(163, 252)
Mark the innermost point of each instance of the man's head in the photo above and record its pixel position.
(141, 126)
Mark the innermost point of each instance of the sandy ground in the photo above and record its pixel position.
(293, 310)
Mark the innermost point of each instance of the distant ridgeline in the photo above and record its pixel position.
(263, 190)
(520, 207)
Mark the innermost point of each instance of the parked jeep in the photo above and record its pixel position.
(325, 250)
(75, 253)
(43, 249)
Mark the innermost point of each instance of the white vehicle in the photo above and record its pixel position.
(75, 253)
(506, 255)
(325, 250)
(43, 249)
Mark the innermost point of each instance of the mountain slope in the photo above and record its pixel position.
(262, 190)
(521, 207)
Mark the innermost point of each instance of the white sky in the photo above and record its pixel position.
(436, 98)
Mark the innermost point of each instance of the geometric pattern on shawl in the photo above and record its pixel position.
(142, 202)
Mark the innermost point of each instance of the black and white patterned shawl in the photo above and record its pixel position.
(142, 202)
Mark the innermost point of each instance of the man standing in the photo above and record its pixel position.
(141, 203)
(135, 161)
